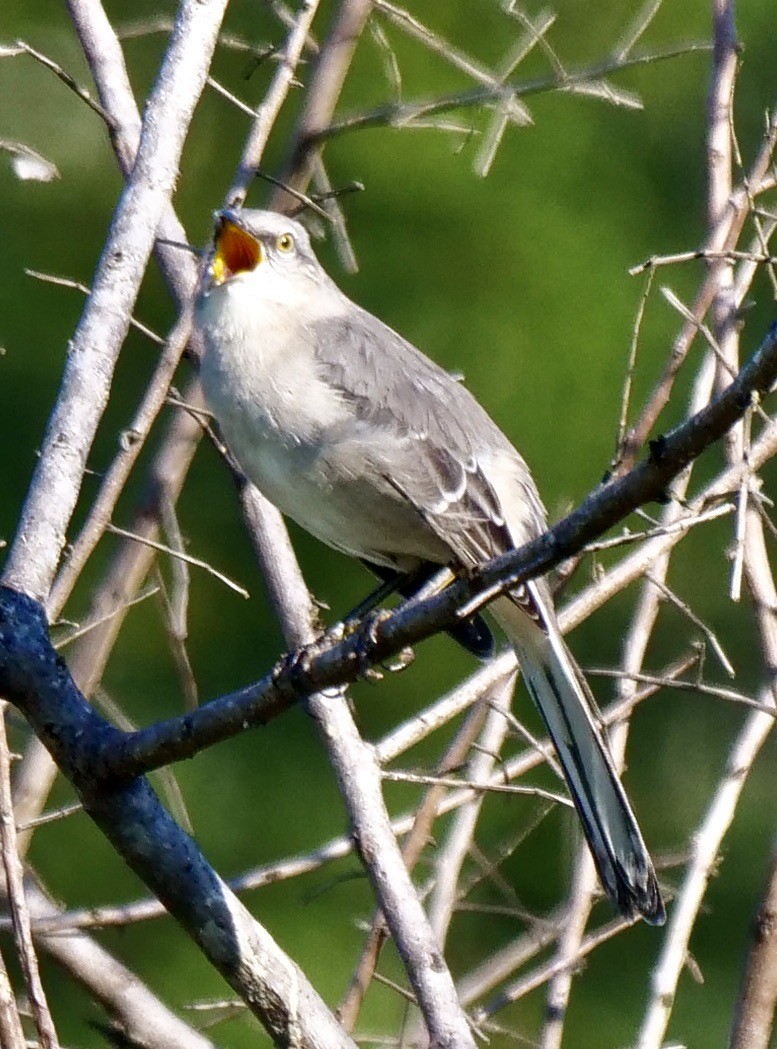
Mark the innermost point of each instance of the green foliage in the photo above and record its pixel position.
(520, 281)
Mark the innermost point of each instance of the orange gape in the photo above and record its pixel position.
(236, 252)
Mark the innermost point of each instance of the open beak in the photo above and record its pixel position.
(236, 252)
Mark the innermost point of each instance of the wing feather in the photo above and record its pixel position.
(449, 439)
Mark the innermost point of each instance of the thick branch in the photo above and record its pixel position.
(331, 663)
(152, 844)
(95, 346)
(358, 775)
(104, 55)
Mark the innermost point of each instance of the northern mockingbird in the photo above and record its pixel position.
(380, 453)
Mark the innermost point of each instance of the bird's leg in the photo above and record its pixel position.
(471, 632)
(426, 581)
(367, 637)
(394, 582)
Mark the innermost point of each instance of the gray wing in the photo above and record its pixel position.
(394, 388)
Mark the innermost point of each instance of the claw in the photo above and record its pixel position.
(366, 640)
(401, 661)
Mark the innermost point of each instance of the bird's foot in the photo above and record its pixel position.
(366, 641)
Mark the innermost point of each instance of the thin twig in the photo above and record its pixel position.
(80, 631)
(438, 45)
(685, 608)
(11, 1032)
(94, 349)
(177, 603)
(478, 787)
(689, 685)
(179, 555)
(268, 111)
(535, 31)
(53, 817)
(403, 114)
(412, 850)
(631, 365)
(20, 915)
(544, 972)
(681, 524)
(66, 79)
(238, 103)
(723, 237)
(637, 28)
(743, 503)
(77, 285)
(651, 264)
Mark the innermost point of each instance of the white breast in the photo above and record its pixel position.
(295, 436)
(260, 380)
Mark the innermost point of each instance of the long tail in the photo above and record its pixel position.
(563, 699)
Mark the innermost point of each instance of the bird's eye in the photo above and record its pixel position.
(285, 243)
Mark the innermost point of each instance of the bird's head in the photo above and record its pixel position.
(260, 248)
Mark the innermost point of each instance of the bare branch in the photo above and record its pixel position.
(705, 846)
(754, 1016)
(11, 1033)
(323, 91)
(721, 239)
(134, 438)
(404, 114)
(331, 664)
(267, 113)
(14, 876)
(514, 110)
(103, 52)
(181, 556)
(451, 856)
(33, 557)
(412, 849)
(358, 776)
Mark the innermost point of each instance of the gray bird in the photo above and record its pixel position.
(380, 453)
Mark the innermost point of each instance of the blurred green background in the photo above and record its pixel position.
(520, 281)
